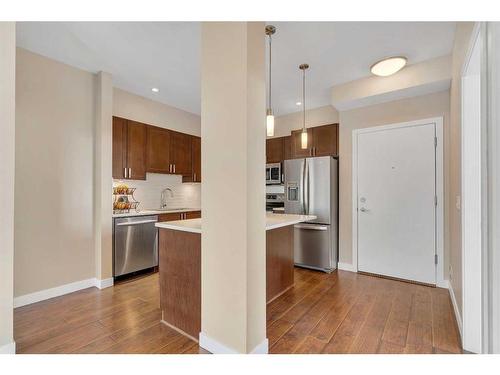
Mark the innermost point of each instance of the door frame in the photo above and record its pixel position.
(439, 230)
(472, 271)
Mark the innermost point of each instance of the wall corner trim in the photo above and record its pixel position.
(105, 283)
(347, 267)
(215, 347)
(9, 348)
(262, 348)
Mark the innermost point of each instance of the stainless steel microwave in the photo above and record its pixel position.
(273, 174)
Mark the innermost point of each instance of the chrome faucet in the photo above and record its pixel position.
(164, 199)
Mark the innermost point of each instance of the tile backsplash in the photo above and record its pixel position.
(148, 192)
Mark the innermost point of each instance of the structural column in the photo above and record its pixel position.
(103, 184)
(233, 313)
(7, 166)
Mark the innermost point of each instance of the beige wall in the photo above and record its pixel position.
(233, 241)
(135, 107)
(414, 80)
(421, 107)
(55, 116)
(7, 144)
(283, 125)
(460, 47)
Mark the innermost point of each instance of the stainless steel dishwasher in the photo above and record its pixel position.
(135, 244)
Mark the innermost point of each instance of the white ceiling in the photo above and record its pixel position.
(142, 55)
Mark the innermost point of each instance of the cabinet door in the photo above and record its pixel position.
(287, 147)
(196, 152)
(136, 150)
(193, 215)
(180, 153)
(297, 150)
(274, 150)
(173, 216)
(158, 154)
(119, 147)
(325, 140)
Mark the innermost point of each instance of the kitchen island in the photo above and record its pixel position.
(180, 267)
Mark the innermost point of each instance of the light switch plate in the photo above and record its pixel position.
(457, 202)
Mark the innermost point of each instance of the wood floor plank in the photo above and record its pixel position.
(444, 330)
(343, 312)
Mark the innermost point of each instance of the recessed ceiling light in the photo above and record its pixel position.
(155, 89)
(388, 66)
(298, 103)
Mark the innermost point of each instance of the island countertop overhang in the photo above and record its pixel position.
(273, 221)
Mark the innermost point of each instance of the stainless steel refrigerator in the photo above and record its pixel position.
(312, 188)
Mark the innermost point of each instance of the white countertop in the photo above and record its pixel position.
(155, 212)
(273, 221)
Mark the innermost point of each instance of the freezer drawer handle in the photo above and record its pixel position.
(311, 227)
(136, 223)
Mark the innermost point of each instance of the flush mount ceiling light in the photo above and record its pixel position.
(303, 136)
(270, 30)
(298, 103)
(388, 66)
(155, 89)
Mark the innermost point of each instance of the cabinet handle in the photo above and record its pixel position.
(194, 177)
(170, 168)
(130, 173)
(174, 168)
(125, 172)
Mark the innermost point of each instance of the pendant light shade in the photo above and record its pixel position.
(303, 139)
(270, 123)
(303, 136)
(270, 30)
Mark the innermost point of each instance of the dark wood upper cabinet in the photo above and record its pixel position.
(325, 140)
(119, 147)
(196, 152)
(136, 150)
(180, 154)
(321, 141)
(129, 149)
(297, 150)
(287, 147)
(274, 150)
(158, 150)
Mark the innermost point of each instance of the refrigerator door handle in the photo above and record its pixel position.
(303, 184)
(308, 187)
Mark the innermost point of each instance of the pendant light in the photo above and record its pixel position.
(303, 137)
(270, 30)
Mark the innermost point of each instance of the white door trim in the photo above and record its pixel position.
(438, 121)
(472, 270)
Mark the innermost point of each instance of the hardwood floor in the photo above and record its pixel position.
(339, 313)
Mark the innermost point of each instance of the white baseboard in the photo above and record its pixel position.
(262, 348)
(57, 291)
(102, 284)
(458, 317)
(443, 284)
(346, 267)
(215, 347)
(8, 348)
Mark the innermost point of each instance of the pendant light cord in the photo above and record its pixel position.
(270, 77)
(304, 97)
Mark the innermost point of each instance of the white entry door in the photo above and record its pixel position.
(396, 192)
